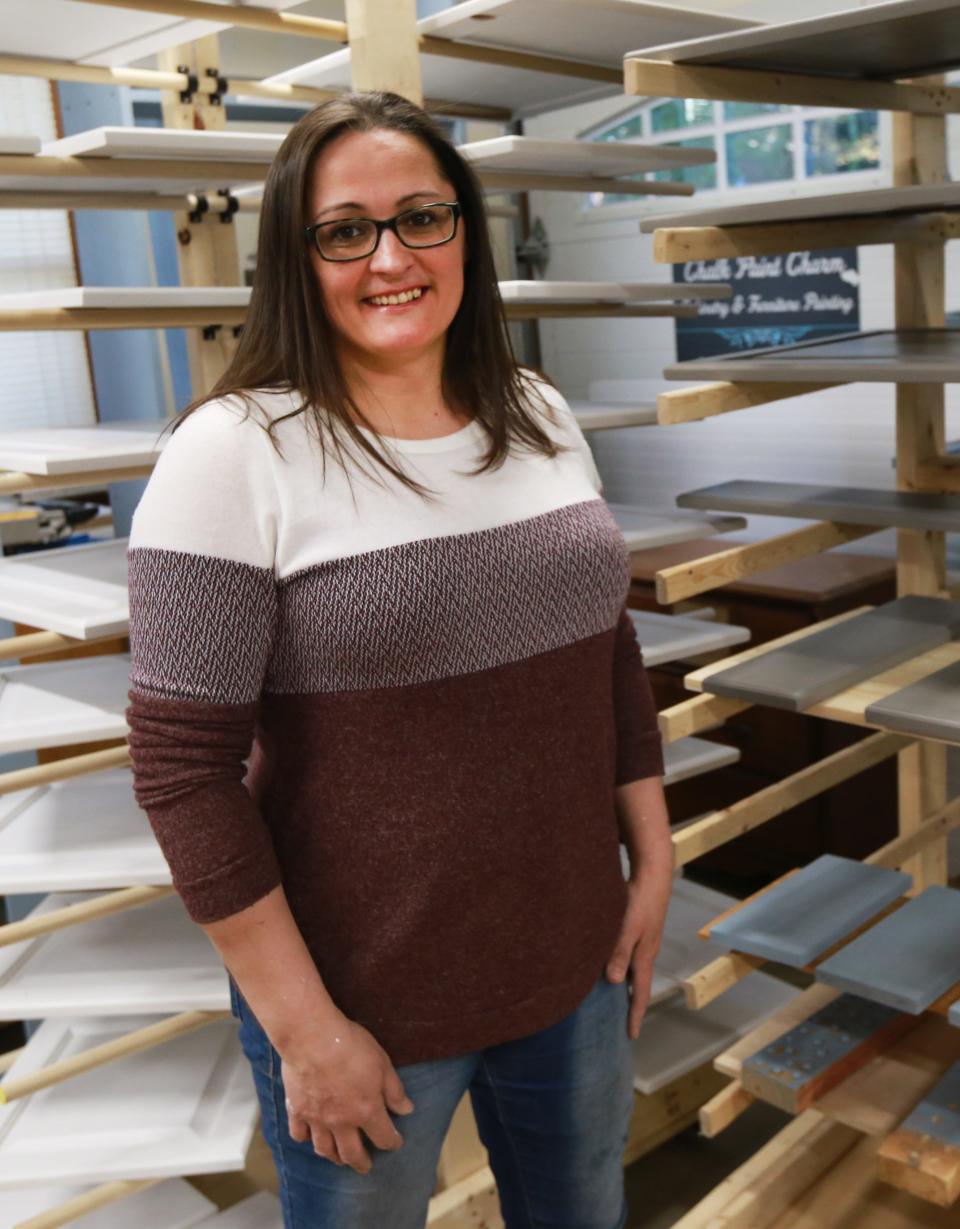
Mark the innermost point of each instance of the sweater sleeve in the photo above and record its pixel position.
(639, 744)
(202, 613)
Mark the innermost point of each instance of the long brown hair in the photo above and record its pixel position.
(288, 342)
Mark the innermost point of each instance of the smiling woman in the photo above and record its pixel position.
(374, 573)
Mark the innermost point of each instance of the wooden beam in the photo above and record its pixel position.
(922, 1156)
(724, 1109)
(65, 769)
(709, 400)
(902, 848)
(39, 644)
(722, 826)
(697, 714)
(89, 1201)
(683, 580)
(940, 474)
(530, 181)
(45, 166)
(94, 200)
(13, 483)
(718, 977)
(656, 78)
(530, 61)
(57, 319)
(9, 1057)
(85, 911)
(384, 54)
(678, 244)
(800, 1008)
(272, 21)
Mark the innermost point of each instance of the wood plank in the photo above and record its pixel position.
(696, 715)
(604, 415)
(710, 400)
(666, 637)
(724, 1109)
(807, 1062)
(923, 1155)
(585, 158)
(806, 1004)
(928, 708)
(644, 528)
(685, 580)
(692, 757)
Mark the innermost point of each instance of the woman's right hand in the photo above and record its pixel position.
(340, 1083)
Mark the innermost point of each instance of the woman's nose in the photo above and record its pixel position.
(390, 254)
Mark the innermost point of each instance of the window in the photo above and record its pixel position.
(755, 143)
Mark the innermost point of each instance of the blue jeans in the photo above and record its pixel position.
(553, 1111)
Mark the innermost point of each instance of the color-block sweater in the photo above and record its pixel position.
(411, 714)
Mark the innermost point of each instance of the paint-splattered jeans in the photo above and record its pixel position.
(553, 1111)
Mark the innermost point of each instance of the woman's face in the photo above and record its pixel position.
(377, 175)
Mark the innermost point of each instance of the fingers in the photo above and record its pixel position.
(325, 1145)
(299, 1128)
(351, 1150)
(382, 1133)
(395, 1094)
(619, 962)
(641, 980)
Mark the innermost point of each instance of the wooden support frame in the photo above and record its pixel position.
(916, 1159)
(657, 78)
(685, 580)
(677, 244)
(272, 21)
(724, 1109)
(15, 483)
(709, 400)
(122, 1047)
(693, 716)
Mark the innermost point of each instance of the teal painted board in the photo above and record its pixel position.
(799, 919)
(801, 674)
(908, 960)
(849, 505)
(929, 708)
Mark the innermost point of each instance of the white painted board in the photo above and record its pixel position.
(587, 158)
(78, 591)
(146, 961)
(607, 292)
(692, 757)
(666, 637)
(186, 1107)
(912, 199)
(645, 528)
(96, 34)
(260, 1211)
(55, 704)
(675, 1040)
(173, 1204)
(19, 143)
(899, 38)
(172, 143)
(603, 415)
(103, 297)
(84, 833)
(589, 30)
(74, 450)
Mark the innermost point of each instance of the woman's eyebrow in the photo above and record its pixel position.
(411, 196)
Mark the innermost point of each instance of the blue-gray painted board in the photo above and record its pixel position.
(938, 1114)
(929, 708)
(799, 919)
(803, 673)
(908, 960)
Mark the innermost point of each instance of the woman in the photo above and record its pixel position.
(378, 557)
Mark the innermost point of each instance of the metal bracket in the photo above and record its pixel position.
(233, 205)
(202, 206)
(210, 332)
(216, 99)
(535, 249)
(193, 83)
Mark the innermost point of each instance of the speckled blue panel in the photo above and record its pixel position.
(938, 1114)
(797, 920)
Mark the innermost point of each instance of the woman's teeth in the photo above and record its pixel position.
(391, 300)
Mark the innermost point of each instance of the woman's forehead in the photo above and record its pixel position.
(377, 163)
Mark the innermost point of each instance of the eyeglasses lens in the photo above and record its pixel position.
(416, 228)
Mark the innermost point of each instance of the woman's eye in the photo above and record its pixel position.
(423, 217)
(345, 233)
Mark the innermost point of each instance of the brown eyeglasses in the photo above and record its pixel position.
(426, 226)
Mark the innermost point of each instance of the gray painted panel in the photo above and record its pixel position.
(908, 960)
(801, 674)
(666, 638)
(912, 199)
(929, 708)
(954, 1015)
(691, 757)
(797, 920)
(894, 509)
(908, 356)
(895, 39)
(938, 1115)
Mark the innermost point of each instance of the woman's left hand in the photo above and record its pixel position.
(639, 942)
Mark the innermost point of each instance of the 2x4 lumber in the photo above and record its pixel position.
(799, 1067)
(111, 1051)
(724, 1109)
(95, 200)
(678, 244)
(922, 1156)
(658, 78)
(272, 20)
(530, 61)
(15, 483)
(523, 181)
(384, 52)
(696, 715)
(89, 1201)
(800, 1008)
(39, 644)
(474, 1197)
(722, 397)
(85, 911)
(48, 166)
(939, 474)
(733, 821)
(684, 580)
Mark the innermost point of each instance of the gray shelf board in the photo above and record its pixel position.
(937, 1116)
(19, 143)
(799, 675)
(645, 528)
(800, 918)
(591, 31)
(114, 141)
(604, 415)
(900, 38)
(953, 1015)
(929, 708)
(666, 637)
(692, 757)
(917, 198)
(904, 356)
(850, 505)
(908, 960)
(532, 156)
(550, 291)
